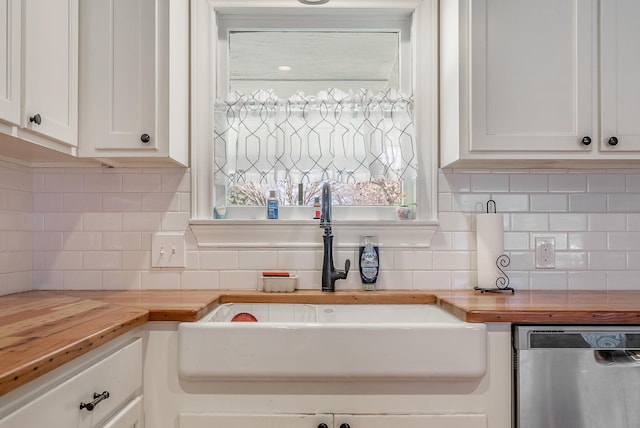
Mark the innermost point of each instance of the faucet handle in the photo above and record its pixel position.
(347, 265)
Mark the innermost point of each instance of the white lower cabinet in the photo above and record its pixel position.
(209, 420)
(105, 393)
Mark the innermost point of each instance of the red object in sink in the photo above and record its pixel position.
(244, 317)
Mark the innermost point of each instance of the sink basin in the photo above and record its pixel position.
(330, 342)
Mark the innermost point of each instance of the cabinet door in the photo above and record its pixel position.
(119, 374)
(209, 420)
(129, 417)
(50, 69)
(411, 421)
(10, 61)
(119, 74)
(532, 78)
(620, 86)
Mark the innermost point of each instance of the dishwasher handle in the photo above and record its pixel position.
(608, 357)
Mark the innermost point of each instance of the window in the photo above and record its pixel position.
(335, 43)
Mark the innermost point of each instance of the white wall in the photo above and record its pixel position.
(16, 204)
(93, 231)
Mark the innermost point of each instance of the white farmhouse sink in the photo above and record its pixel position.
(331, 342)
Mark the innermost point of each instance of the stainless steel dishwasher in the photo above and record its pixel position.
(576, 376)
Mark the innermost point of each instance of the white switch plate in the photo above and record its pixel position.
(168, 250)
(545, 253)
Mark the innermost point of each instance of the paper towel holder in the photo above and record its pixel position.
(502, 282)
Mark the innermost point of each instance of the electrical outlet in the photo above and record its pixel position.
(545, 253)
(168, 250)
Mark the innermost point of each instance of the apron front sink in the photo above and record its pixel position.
(281, 341)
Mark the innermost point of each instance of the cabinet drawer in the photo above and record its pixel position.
(120, 374)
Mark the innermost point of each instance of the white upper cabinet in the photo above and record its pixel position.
(10, 62)
(521, 86)
(134, 81)
(620, 71)
(50, 69)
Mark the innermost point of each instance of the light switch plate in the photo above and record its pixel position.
(168, 250)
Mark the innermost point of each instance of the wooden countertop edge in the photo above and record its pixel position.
(19, 376)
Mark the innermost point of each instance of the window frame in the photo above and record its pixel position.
(205, 27)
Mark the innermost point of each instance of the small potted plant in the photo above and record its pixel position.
(405, 210)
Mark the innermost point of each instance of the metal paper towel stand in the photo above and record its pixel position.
(502, 282)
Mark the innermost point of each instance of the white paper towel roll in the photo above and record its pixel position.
(490, 238)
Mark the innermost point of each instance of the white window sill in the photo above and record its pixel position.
(307, 233)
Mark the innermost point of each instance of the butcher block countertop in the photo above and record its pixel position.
(41, 330)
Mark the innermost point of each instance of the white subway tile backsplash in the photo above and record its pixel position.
(549, 280)
(82, 280)
(91, 227)
(549, 202)
(412, 260)
(82, 202)
(454, 260)
(470, 202)
(592, 280)
(122, 280)
(625, 202)
(219, 260)
(529, 222)
(455, 221)
(200, 280)
(515, 241)
(633, 182)
(606, 183)
(568, 222)
(607, 222)
(238, 280)
(136, 260)
(432, 280)
(160, 280)
(633, 260)
(571, 261)
(98, 183)
(625, 241)
(160, 202)
(587, 241)
(63, 222)
(105, 222)
(463, 241)
(588, 203)
(48, 241)
(292, 260)
(62, 260)
(489, 182)
(78, 240)
(623, 280)
(464, 280)
(454, 182)
(62, 183)
(258, 260)
(48, 202)
(175, 221)
(102, 260)
(608, 260)
(389, 280)
(121, 202)
(145, 183)
(633, 222)
(567, 183)
(511, 202)
(121, 241)
(531, 183)
(141, 222)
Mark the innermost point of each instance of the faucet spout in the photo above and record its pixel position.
(329, 274)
